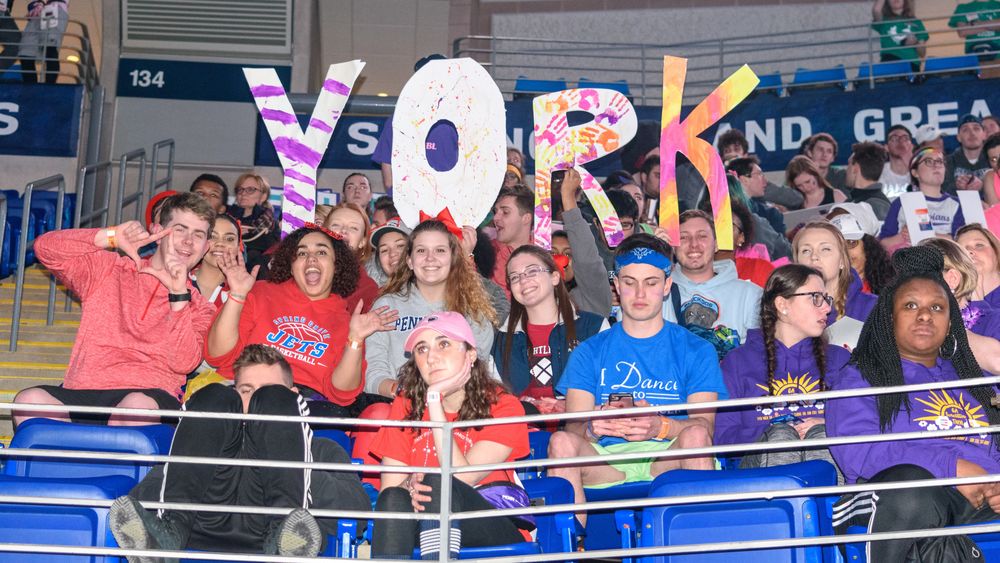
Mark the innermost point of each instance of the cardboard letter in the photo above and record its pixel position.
(678, 136)
(461, 92)
(300, 154)
(559, 146)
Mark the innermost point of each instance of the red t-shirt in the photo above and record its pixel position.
(539, 362)
(311, 335)
(415, 446)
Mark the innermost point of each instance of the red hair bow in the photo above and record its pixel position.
(328, 232)
(562, 262)
(445, 218)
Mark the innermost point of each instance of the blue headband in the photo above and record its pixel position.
(643, 255)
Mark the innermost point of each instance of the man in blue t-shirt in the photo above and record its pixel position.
(645, 360)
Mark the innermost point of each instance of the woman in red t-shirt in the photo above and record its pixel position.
(301, 311)
(444, 381)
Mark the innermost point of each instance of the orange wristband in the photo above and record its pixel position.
(664, 428)
(110, 233)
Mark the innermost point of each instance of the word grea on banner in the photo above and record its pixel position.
(461, 93)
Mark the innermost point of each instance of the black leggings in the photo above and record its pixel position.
(397, 538)
(912, 509)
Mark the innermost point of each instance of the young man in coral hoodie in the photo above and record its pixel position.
(143, 325)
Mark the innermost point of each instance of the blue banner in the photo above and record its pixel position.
(775, 127)
(40, 119)
(187, 80)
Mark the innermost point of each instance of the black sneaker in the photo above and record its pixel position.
(298, 535)
(134, 527)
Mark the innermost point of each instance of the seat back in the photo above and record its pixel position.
(960, 64)
(58, 525)
(602, 529)
(46, 434)
(620, 86)
(795, 517)
(555, 532)
(827, 77)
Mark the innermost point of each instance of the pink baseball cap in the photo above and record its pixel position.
(448, 323)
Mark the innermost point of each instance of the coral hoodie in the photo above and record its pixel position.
(745, 373)
(129, 338)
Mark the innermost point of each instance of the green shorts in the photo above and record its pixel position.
(636, 469)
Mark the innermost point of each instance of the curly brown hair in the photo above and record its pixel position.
(346, 269)
(481, 391)
(464, 292)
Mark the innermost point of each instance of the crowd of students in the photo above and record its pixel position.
(361, 316)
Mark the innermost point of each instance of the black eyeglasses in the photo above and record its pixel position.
(818, 298)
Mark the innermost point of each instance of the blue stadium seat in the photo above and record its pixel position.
(538, 448)
(556, 533)
(602, 530)
(59, 525)
(828, 77)
(39, 433)
(900, 70)
(746, 520)
(617, 85)
(772, 83)
(952, 65)
(526, 87)
(338, 436)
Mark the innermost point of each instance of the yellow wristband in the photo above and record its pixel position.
(664, 428)
(110, 233)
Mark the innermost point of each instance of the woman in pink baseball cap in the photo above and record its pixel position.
(444, 380)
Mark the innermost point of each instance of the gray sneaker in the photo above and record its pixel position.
(134, 527)
(297, 534)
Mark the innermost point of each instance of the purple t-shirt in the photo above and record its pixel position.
(441, 145)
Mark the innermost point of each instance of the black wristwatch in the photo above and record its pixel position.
(178, 297)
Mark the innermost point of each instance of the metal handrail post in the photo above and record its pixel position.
(444, 457)
(85, 183)
(155, 184)
(123, 200)
(3, 221)
(59, 183)
(871, 59)
(642, 72)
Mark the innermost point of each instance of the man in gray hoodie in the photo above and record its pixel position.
(710, 295)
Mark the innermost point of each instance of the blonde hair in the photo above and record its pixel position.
(990, 237)
(322, 212)
(365, 252)
(955, 258)
(844, 275)
(262, 183)
(464, 291)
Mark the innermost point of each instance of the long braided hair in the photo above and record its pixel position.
(877, 355)
(783, 282)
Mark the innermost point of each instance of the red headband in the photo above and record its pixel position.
(328, 232)
(445, 218)
(562, 262)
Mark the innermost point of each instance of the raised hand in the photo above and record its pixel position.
(469, 238)
(364, 325)
(239, 280)
(174, 273)
(452, 383)
(131, 236)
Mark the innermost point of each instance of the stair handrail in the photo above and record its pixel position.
(164, 182)
(140, 193)
(58, 183)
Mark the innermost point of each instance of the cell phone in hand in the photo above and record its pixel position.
(557, 179)
(621, 400)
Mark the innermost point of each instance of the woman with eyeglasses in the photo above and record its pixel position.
(258, 225)
(301, 311)
(787, 355)
(984, 250)
(821, 245)
(543, 328)
(927, 171)
(915, 336)
(445, 380)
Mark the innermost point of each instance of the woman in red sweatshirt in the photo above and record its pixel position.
(301, 311)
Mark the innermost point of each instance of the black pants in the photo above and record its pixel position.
(252, 485)
(912, 509)
(29, 72)
(333, 410)
(397, 538)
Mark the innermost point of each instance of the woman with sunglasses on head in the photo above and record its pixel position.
(820, 245)
(787, 355)
(915, 335)
(302, 312)
(445, 380)
(543, 328)
(984, 249)
(258, 225)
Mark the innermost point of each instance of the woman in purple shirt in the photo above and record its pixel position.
(915, 335)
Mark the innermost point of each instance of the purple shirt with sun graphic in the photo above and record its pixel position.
(930, 411)
(745, 373)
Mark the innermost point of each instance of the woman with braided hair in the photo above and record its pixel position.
(786, 355)
(915, 335)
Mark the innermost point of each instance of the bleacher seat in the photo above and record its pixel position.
(771, 83)
(964, 64)
(898, 70)
(525, 87)
(602, 530)
(744, 520)
(617, 85)
(338, 436)
(40, 433)
(835, 77)
(55, 524)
